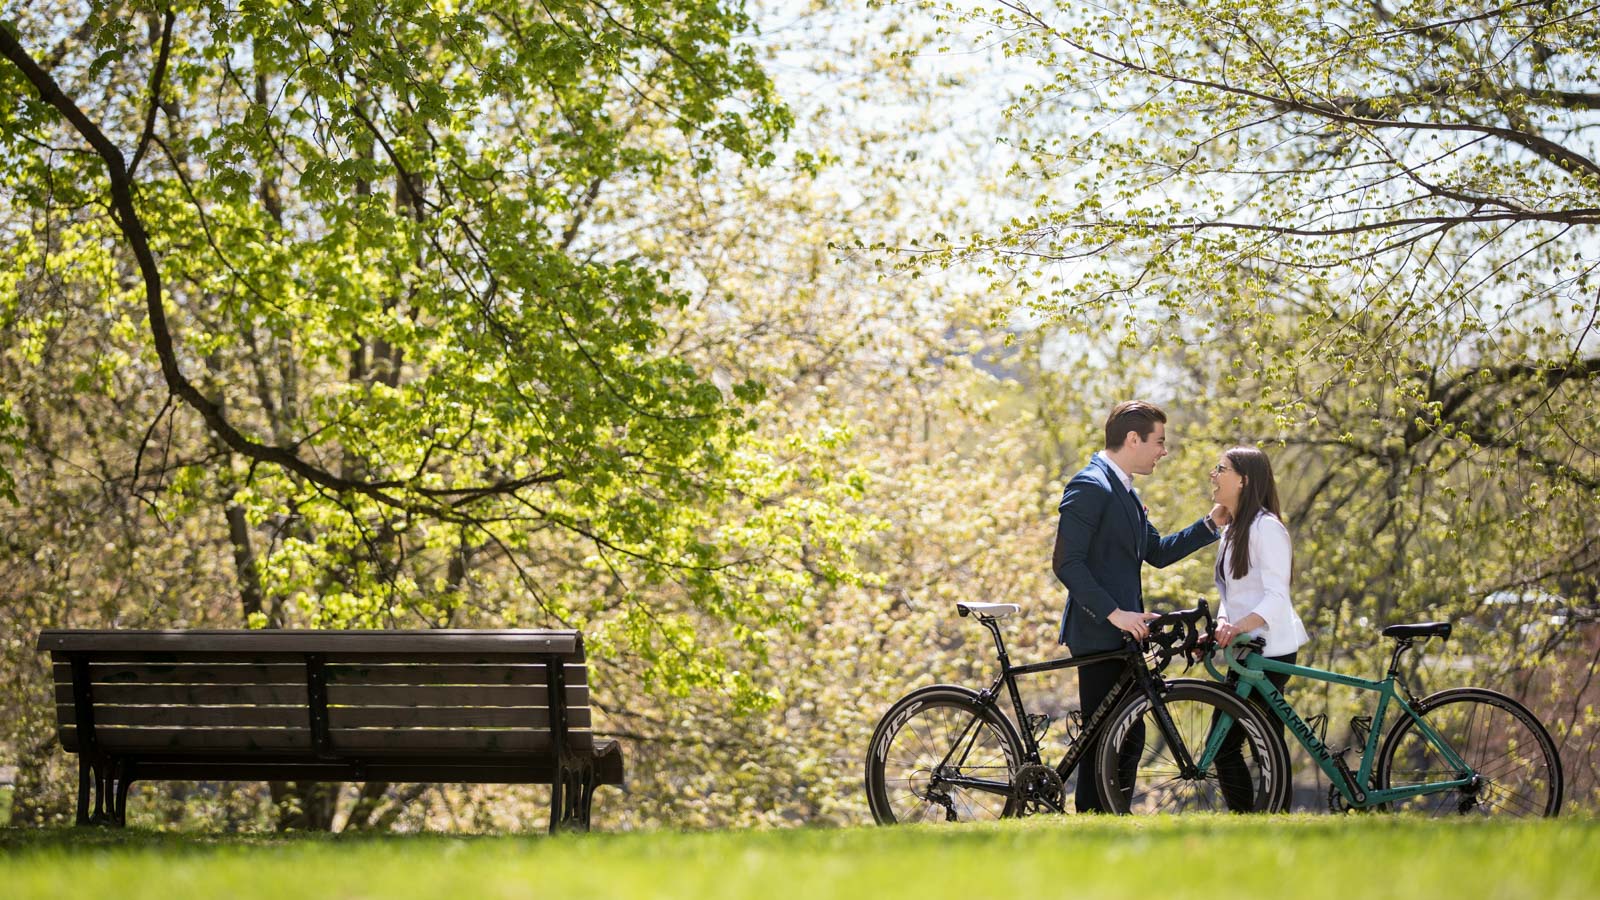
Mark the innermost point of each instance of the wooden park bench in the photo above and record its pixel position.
(480, 707)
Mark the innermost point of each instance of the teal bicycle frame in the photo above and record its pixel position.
(1252, 668)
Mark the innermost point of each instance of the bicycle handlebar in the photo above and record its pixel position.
(1233, 662)
(1175, 633)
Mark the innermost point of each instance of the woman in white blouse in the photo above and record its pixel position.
(1252, 575)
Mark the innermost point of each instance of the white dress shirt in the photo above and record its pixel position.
(1124, 477)
(1264, 590)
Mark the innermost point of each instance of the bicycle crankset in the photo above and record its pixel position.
(1336, 801)
(1039, 789)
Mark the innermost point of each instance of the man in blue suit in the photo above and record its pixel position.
(1102, 543)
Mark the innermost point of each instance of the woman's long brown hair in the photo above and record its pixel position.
(1258, 492)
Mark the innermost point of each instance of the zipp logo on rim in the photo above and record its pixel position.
(900, 718)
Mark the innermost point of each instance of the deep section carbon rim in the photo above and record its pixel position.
(1245, 778)
(932, 756)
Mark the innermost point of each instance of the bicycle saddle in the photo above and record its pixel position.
(994, 610)
(1419, 630)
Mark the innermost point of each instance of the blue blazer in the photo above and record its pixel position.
(1104, 539)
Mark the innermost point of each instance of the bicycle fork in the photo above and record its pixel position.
(1154, 688)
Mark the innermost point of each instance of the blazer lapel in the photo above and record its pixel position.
(1129, 505)
(1143, 524)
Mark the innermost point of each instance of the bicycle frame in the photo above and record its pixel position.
(1135, 676)
(1251, 668)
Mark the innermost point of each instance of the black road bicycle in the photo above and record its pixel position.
(947, 753)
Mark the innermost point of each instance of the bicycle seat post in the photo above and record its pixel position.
(1401, 645)
(999, 642)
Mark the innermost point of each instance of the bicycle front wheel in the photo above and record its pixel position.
(938, 755)
(1514, 764)
(1218, 754)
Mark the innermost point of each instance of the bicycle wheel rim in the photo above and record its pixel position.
(1248, 781)
(1500, 740)
(912, 742)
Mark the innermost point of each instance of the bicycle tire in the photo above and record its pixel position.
(1275, 733)
(1490, 732)
(1158, 783)
(917, 734)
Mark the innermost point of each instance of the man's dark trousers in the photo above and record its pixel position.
(1095, 682)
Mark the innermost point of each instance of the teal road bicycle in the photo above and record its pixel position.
(1463, 751)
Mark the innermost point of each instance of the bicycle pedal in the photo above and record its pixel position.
(1343, 766)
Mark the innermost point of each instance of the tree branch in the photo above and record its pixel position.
(1567, 158)
(132, 226)
(155, 92)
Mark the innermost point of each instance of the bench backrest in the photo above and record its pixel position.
(320, 693)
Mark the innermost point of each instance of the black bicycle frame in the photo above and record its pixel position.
(1135, 676)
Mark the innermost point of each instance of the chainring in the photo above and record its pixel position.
(1039, 789)
(1336, 801)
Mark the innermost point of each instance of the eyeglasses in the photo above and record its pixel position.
(1219, 468)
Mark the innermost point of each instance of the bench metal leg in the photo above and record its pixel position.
(571, 796)
(124, 781)
(109, 777)
(85, 775)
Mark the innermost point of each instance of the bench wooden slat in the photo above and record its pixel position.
(177, 740)
(472, 658)
(294, 673)
(450, 695)
(466, 659)
(186, 673)
(166, 658)
(448, 717)
(383, 741)
(453, 641)
(391, 741)
(192, 716)
(573, 673)
(192, 694)
(527, 767)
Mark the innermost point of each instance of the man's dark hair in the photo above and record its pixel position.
(1132, 415)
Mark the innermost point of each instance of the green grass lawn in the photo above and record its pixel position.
(1302, 856)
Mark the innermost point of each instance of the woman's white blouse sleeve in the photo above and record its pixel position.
(1272, 556)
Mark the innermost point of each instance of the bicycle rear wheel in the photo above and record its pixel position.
(938, 755)
(1139, 766)
(1502, 742)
